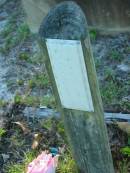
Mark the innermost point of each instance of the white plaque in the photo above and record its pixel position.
(70, 74)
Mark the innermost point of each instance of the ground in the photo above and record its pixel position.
(26, 94)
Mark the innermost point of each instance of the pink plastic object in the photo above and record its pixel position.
(44, 163)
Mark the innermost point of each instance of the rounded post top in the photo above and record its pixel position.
(65, 21)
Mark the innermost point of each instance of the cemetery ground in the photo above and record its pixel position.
(24, 85)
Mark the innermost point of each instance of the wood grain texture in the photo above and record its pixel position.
(86, 131)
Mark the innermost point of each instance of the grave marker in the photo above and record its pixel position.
(65, 44)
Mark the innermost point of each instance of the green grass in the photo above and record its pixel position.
(35, 100)
(20, 82)
(2, 132)
(126, 151)
(128, 49)
(28, 101)
(48, 101)
(23, 32)
(123, 166)
(24, 56)
(115, 56)
(66, 164)
(111, 92)
(2, 103)
(14, 36)
(109, 74)
(93, 34)
(125, 105)
(40, 81)
(21, 167)
(97, 63)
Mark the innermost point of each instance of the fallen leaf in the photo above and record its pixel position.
(23, 126)
(37, 139)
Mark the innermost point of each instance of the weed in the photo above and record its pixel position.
(128, 49)
(14, 35)
(61, 130)
(67, 164)
(26, 100)
(31, 83)
(2, 50)
(17, 98)
(115, 56)
(126, 151)
(93, 34)
(97, 63)
(47, 123)
(48, 101)
(125, 105)
(111, 92)
(8, 30)
(15, 141)
(21, 167)
(109, 74)
(24, 56)
(37, 58)
(40, 80)
(9, 43)
(123, 166)
(31, 101)
(34, 101)
(15, 168)
(23, 32)
(2, 103)
(2, 132)
(20, 82)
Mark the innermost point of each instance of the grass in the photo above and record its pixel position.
(21, 167)
(35, 100)
(112, 89)
(126, 151)
(67, 164)
(14, 36)
(48, 123)
(16, 31)
(123, 166)
(109, 74)
(2, 103)
(2, 132)
(97, 63)
(115, 56)
(125, 105)
(24, 56)
(20, 82)
(128, 49)
(28, 101)
(93, 34)
(40, 81)
(111, 92)
(48, 101)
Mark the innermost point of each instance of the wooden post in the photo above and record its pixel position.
(84, 121)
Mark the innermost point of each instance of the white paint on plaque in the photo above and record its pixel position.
(67, 61)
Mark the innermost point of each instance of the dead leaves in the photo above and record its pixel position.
(124, 126)
(23, 126)
(37, 139)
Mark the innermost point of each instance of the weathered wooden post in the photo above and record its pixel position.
(65, 44)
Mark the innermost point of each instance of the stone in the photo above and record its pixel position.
(124, 67)
(5, 157)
